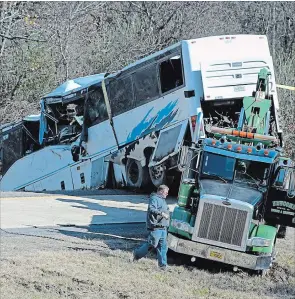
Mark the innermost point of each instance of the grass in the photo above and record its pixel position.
(74, 274)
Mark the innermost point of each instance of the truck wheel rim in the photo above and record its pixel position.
(157, 172)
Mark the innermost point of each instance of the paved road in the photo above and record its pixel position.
(96, 238)
(90, 221)
(19, 210)
(7, 194)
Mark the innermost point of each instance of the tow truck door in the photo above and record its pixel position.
(280, 205)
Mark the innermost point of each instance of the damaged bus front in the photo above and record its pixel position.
(46, 144)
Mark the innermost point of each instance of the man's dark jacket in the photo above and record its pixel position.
(157, 205)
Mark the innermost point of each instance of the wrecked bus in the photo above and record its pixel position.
(43, 143)
(138, 123)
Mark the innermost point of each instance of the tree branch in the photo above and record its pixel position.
(22, 37)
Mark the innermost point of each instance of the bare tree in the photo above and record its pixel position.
(42, 44)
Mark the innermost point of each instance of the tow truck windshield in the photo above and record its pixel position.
(230, 169)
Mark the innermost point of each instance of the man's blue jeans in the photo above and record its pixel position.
(156, 239)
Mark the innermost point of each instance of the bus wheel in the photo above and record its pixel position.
(136, 175)
(158, 175)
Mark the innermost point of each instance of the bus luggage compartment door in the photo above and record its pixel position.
(169, 143)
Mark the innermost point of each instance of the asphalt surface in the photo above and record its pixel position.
(24, 209)
(8, 194)
(93, 220)
(94, 238)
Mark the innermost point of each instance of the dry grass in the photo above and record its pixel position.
(109, 274)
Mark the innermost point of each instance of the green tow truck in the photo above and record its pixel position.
(237, 191)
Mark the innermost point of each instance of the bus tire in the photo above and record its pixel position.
(136, 175)
(158, 175)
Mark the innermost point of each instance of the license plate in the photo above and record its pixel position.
(216, 255)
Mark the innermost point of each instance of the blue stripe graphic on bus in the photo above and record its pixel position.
(146, 126)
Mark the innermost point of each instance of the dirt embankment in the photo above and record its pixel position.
(93, 262)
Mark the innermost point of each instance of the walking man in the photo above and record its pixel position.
(157, 222)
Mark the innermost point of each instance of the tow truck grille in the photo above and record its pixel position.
(222, 224)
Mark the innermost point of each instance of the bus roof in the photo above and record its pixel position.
(211, 47)
(206, 46)
(74, 85)
(227, 47)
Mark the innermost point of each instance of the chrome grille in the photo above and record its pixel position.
(222, 224)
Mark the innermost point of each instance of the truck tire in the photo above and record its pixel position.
(136, 175)
(282, 232)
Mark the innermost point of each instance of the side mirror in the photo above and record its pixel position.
(191, 164)
(284, 177)
(275, 180)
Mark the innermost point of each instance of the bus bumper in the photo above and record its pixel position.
(227, 256)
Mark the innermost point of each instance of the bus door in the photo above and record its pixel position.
(101, 139)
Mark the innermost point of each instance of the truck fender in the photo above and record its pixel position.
(267, 232)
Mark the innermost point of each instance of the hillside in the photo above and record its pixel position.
(45, 43)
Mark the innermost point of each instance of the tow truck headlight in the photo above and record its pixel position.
(259, 242)
(182, 226)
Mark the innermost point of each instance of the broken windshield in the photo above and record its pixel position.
(251, 172)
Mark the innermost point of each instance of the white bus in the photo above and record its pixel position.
(142, 119)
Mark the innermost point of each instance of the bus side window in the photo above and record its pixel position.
(171, 73)
(96, 111)
(145, 85)
(121, 95)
